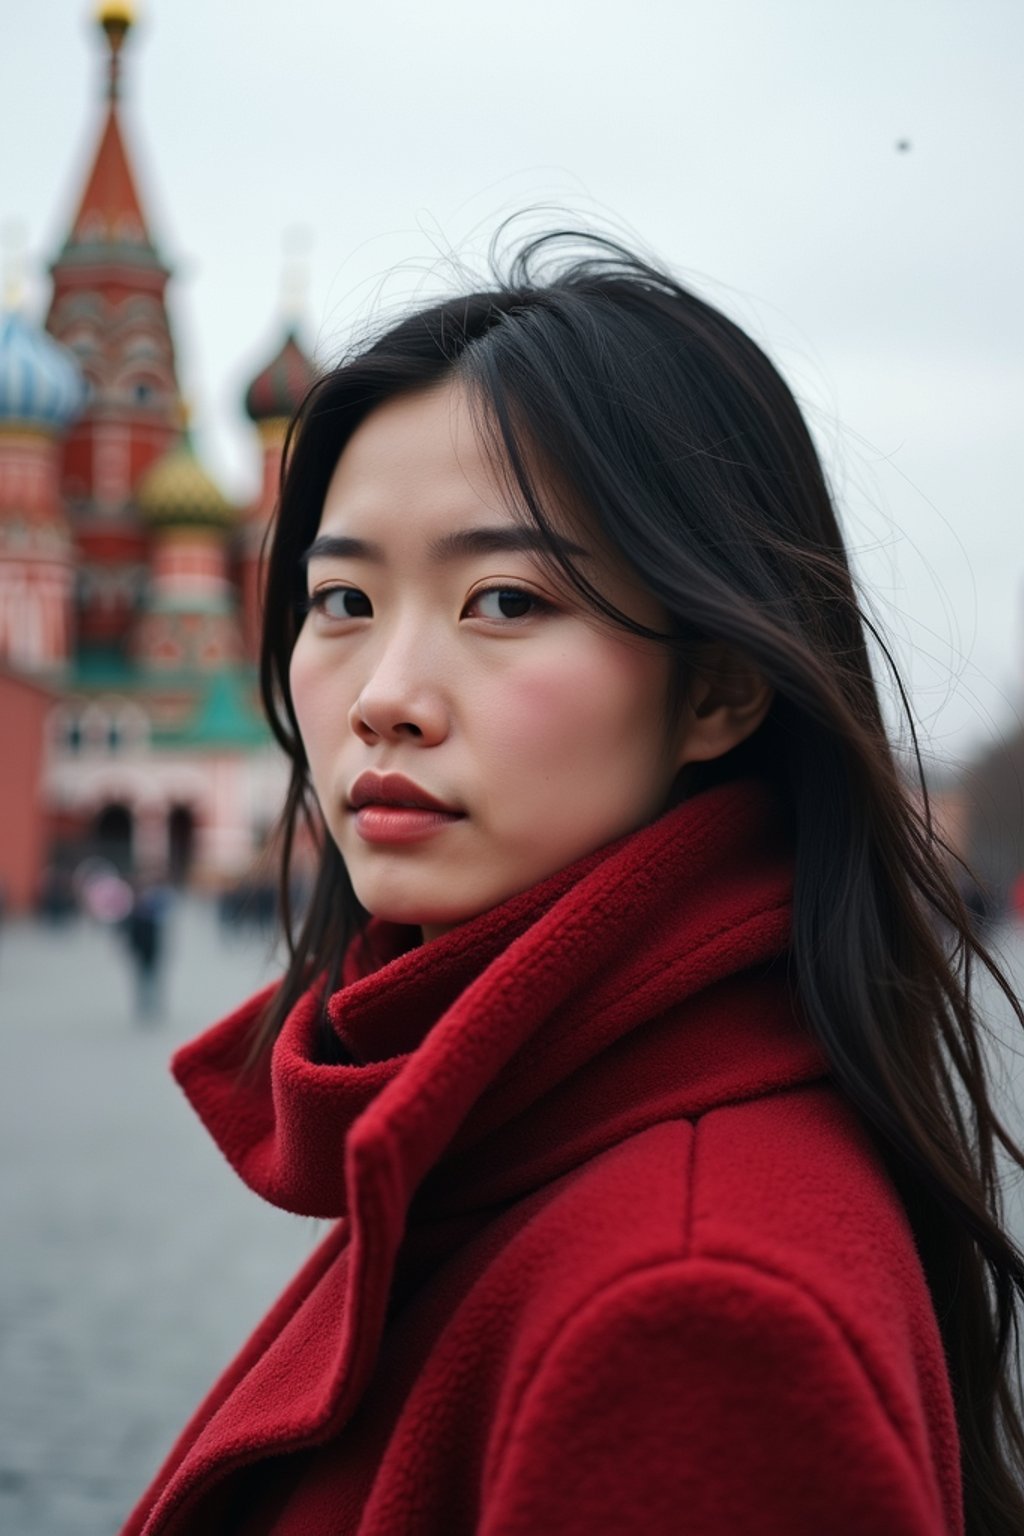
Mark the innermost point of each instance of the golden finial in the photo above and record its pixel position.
(116, 13)
(115, 17)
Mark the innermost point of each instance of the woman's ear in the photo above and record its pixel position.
(727, 700)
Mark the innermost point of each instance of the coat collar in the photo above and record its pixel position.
(646, 982)
(455, 1040)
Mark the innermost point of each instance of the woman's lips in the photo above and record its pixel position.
(401, 823)
(394, 789)
(389, 808)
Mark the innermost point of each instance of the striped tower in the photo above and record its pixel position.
(108, 308)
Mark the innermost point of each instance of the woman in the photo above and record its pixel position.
(622, 1037)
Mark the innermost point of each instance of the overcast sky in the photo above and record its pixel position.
(752, 144)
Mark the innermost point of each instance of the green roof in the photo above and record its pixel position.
(224, 718)
(104, 669)
(224, 714)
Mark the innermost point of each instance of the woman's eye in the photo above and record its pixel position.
(506, 603)
(341, 603)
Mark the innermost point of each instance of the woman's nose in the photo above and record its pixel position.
(402, 699)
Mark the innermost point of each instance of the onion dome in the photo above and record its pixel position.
(176, 491)
(280, 387)
(40, 382)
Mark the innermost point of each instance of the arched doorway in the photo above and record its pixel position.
(112, 836)
(181, 837)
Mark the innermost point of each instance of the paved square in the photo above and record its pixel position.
(135, 1262)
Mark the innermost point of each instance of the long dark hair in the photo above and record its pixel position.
(687, 450)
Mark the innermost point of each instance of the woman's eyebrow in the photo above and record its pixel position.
(459, 544)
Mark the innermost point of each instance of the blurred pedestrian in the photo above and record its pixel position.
(144, 936)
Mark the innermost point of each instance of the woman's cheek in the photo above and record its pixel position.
(317, 691)
(300, 681)
(578, 696)
(539, 707)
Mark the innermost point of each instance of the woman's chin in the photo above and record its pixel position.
(432, 919)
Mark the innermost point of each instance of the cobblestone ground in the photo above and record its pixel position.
(134, 1261)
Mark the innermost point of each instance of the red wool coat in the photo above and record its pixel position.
(609, 1255)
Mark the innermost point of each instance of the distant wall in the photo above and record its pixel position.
(24, 707)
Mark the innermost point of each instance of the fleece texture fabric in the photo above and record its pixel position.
(609, 1251)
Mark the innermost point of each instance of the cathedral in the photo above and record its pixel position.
(129, 583)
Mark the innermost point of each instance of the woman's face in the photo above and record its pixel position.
(438, 648)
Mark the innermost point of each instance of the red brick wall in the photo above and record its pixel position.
(23, 710)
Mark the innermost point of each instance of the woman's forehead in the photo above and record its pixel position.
(424, 464)
(416, 456)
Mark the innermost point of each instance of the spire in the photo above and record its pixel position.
(110, 211)
(115, 20)
(279, 388)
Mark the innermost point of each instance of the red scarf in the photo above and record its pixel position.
(472, 1049)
